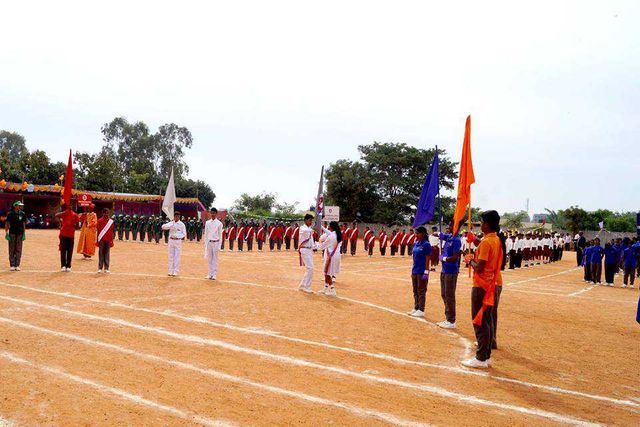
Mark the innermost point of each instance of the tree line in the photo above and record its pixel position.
(132, 160)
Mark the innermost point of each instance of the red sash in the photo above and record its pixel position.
(300, 253)
(326, 268)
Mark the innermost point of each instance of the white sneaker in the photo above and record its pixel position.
(207, 277)
(305, 290)
(212, 278)
(68, 270)
(99, 271)
(623, 286)
(63, 269)
(446, 325)
(331, 292)
(418, 313)
(107, 272)
(12, 269)
(17, 268)
(412, 312)
(324, 291)
(476, 364)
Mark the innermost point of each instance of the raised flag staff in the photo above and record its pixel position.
(465, 179)
(317, 226)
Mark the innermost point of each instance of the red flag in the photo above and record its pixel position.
(68, 182)
(465, 179)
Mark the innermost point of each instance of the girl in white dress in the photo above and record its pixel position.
(330, 243)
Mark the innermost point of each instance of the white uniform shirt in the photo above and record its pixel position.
(306, 237)
(212, 230)
(434, 240)
(508, 245)
(177, 230)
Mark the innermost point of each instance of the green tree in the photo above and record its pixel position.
(14, 144)
(514, 220)
(263, 202)
(99, 172)
(386, 184)
(36, 167)
(198, 189)
(171, 141)
(349, 185)
(576, 218)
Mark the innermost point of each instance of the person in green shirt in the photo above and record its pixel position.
(14, 227)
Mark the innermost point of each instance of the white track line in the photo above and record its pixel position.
(380, 356)
(355, 410)
(438, 391)
(134, 398)
(582, 291)
(5, 422)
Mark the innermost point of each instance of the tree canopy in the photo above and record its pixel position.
(385, 185)
(132, 160)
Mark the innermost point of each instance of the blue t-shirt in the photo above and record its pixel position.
(421, 250)
(586, 255)
(596, 254)
(630, 258)
(611, 255)
(451, 247)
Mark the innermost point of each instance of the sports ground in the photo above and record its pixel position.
(139, 348)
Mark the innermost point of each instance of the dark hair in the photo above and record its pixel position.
(421, 230)
(176, 213)
(214, 210)
(308, 216)
(105, 210)
(492, 219)
(334, 226)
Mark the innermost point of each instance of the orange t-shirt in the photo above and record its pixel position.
(489, 250)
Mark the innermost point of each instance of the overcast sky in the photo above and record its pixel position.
(273, 90)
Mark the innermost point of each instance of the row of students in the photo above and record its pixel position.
(618, 256)
(530, 248)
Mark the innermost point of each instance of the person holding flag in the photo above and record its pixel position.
(105, 227)
(486, 276)
(177, 229)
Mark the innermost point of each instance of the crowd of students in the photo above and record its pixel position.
(619, 256)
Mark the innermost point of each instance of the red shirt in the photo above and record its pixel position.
(108, 235)
(69, 219)
(354, 234)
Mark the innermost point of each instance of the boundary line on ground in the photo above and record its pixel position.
(125, 395)
(356, 410)
(434, 390)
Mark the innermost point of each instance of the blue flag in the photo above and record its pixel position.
(427, 202)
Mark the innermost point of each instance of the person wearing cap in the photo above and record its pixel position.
(305, 253)
(14, 227)
(421, 254)
(88, 233)
(212, 243)
(177, 233)
(105, 228)
(68, 220)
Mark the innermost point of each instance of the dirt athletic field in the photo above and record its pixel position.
(140, 348)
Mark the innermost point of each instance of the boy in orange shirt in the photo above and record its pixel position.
(486, 277)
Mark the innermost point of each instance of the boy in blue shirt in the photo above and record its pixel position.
(420, 271)
(611, 257)
(451, 248)
(586, 261)
(596, 261)
(629, 266)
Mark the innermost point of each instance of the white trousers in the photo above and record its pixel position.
(175, 247)
(213, 249)
(307, 260)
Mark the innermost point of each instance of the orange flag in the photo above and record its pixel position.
(465, 179)
(68, 182)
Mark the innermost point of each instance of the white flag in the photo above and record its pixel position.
(169, 198)
(601, 224)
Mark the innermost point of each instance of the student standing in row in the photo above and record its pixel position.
(105, 227)
(420, 272)
(212, 243)
(330, 245)
(68, 219)
(449, 277)
(177, 233)
(486, 266)
(305, 252)
(14, 227)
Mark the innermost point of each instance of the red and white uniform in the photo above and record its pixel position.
(231, 233)
(260, 234)
(383, 239)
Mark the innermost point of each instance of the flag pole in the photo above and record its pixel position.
(470, 225)
(439, 204)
